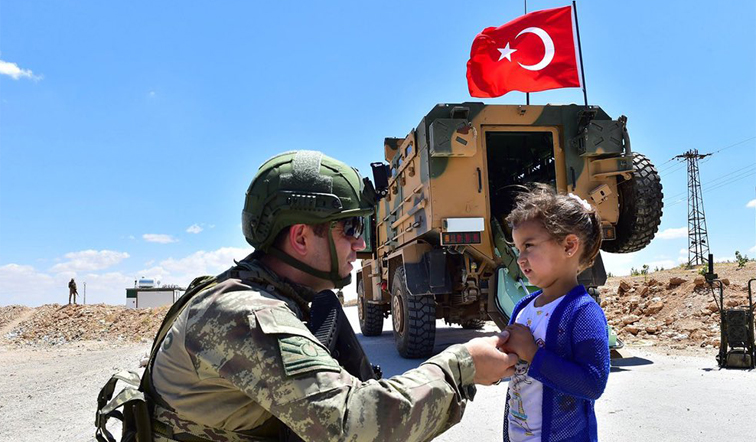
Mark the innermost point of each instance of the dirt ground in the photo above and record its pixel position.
(54, 359)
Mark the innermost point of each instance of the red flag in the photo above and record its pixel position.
(532, 53)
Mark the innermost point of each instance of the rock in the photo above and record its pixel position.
(669, 320)
(732, 302)
(712, 307)
(700, 281)
(630, 319)
(633, 330)
(652, 329)
(725, 281)
(654, 308)
(644, 292)
(674, 282)
(623, 287)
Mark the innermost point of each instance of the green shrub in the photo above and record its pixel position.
(741, 259)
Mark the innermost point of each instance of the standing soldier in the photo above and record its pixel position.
(72, 291)
(240, 364)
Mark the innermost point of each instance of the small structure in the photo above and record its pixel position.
(147, 294)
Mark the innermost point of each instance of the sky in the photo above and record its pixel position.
(130, 131)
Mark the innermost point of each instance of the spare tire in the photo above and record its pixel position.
(640, 208)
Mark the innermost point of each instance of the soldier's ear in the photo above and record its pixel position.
(299, 239)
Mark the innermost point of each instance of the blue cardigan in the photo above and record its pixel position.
(573, 367)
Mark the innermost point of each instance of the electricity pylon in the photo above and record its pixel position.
(698, 238)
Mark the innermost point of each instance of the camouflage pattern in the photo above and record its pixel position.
(463, 162)
(239, 356)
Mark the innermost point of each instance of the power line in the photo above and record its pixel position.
(713, 182)
(720, 150)
(736, 144)
(722, 184)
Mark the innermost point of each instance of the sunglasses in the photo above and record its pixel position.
(353, 226)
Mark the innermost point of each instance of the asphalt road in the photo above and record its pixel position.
(651, 395)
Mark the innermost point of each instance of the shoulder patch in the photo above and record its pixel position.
(301, 355)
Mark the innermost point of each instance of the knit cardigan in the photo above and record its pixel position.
(573, 367)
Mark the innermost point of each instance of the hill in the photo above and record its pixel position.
(673, 309)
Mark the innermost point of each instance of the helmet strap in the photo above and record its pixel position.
(332, 276)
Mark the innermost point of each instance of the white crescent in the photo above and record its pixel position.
(548, 45)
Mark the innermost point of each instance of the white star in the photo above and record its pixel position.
(506, 52)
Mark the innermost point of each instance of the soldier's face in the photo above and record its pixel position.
(347, 247)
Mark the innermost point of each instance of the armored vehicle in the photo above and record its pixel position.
(438, 246)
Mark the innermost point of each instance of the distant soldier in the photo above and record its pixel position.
(72, 291)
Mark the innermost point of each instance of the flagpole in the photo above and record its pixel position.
(580, 52)
(527, 94)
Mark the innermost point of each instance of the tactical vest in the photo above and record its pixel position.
(140, 403)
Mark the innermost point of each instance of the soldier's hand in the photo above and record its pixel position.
(491, 364)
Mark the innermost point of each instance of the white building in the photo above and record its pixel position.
(147, 294)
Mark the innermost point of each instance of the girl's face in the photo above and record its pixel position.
(544, 261)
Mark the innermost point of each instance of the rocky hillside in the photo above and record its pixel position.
(673, 308)
(53, 324)
(670, 308)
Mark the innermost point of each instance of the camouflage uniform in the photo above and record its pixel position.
(72, 292)
(239, 356)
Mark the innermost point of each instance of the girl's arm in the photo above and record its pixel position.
(584, 376)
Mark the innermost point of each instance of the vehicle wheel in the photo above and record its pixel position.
(640, 201)
(473, 324)
(371, 315)
(414, 320)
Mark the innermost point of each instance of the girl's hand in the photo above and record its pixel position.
(521, 341)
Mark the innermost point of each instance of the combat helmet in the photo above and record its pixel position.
(303, 187)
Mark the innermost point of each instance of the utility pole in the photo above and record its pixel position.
(698, 238)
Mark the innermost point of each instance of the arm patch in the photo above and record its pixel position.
(300, 355)
(300, 351)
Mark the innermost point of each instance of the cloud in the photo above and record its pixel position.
(89, 260)
(197, 264)
(194, 228)
(23, 284)
(12, 70)
(751, 203)
(662, 264)
(752, 249)
(681, 232)
(618, 263)
(158, 238)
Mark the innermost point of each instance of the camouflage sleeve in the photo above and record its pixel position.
(282, 366)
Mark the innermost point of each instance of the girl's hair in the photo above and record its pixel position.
(560, 215)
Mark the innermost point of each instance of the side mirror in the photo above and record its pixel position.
(380, 178)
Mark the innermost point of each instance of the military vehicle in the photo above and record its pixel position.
(438, 246)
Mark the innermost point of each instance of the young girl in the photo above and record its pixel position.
(559, 332)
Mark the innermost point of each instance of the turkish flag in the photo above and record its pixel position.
(532, 53)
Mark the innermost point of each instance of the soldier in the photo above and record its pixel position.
(239, 363)
(72, 291)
